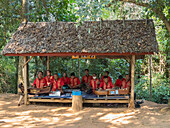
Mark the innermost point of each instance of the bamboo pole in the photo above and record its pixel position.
(131, 104)
(25, 81)
(48, 63)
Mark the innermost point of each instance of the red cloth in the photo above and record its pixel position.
(86, 79)
(105, 86)
(74, 82)
(65, 80)
(49, 79)
(127, 83)
(57, 84)
(109, 79)
(118, 82)
(39, 83)
(93, 83)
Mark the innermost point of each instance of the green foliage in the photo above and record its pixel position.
(160, 89)
(7, 75)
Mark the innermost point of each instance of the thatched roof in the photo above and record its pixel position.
(129, 36)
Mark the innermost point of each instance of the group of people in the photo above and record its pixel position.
(88, 81)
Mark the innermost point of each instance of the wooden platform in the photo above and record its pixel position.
(88, 99)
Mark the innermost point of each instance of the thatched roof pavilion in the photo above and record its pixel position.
(130, 39)
(98, 38)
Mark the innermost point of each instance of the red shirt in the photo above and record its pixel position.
(49, 79)
(109, 79)
(105, 86)
(94, 83)
(39, 83)
(57, 84)
(127, 83)
(65, 80)
(86, 79)
(74, 82)
(118, 82)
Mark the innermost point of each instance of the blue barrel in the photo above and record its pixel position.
(76, 93)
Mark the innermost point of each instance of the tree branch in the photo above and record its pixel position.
(45, 7)
(156, 10)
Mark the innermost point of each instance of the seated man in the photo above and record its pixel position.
(87, 78)
(74, 82)
(57, 83)
(106, 74)
(106, 84)
(126, 82)
(40, 81)
(94, 82)
(49, 78)
(65, 79)
(118, 82)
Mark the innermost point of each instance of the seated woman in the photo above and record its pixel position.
(126, 82)
(49, 78)
(74, 82)
(65, 79)
(106, 84)
(40, 81)
(118, 82)
(57, 83)
(94, 82)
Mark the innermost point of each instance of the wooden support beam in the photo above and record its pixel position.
(48, 63)
(106, 101)
(131, 104)
(130, 66)
(50, 100)
(25, 81)
(27, 61)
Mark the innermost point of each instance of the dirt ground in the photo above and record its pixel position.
(150, 115)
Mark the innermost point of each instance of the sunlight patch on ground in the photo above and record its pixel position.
(117, 118)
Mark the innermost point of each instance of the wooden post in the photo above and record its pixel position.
(131, 104)
(25, 81)
(130, 66)
(48, 63)
(77, 103)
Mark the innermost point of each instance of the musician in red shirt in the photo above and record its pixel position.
(106, 74)
(118, 82)
(126, 82)
(94, 82)
(57, 83)
(65, 79)
(106, 84)
(87, 78)
(40, 81)
(49, 78)
(74, 82)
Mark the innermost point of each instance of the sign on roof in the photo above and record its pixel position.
(88, 57)
(84, 57)
(75, 57)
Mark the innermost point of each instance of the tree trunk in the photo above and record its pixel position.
(150, 65)
(16, 73)
(131, 103)
(25, 10)
(20, 71)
